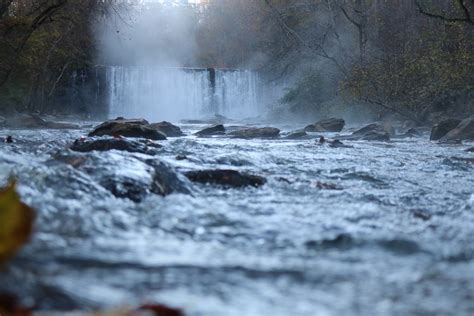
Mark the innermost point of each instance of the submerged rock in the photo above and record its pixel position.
(328, 125)
(255, 132)
(341, 242)
(213, 130)
(333, 143)
(227, 178)
(137, 128)
(327, 186)
(168, 129)
(400, 246)
(297, 135)
(87, 145)
(442, 128)
(463, 131)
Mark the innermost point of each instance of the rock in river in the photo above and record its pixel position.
(444, 127)
(298, 135)
(127, 175)
(463, 131)
(374, 131)
(254, 132)
(129, 128)
(168, 129)
(122, 144)
(213, 130)
(328, 125)
(227, 178)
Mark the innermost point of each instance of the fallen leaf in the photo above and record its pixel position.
(9, 306)
(161, 310)
(16, 222)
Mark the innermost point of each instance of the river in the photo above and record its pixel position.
(384, 228)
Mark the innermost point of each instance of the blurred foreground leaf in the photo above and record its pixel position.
(9, 306)
(16, 222)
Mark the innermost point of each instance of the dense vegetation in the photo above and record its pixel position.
(41, 43)
(413, 58)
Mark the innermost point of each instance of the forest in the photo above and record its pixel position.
(413, 59)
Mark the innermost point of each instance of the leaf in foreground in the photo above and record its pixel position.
(16, 222)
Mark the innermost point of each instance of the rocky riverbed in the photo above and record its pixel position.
(374, 227)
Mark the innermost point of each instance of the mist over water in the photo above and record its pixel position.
(152, 69)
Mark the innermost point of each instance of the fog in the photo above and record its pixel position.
(156, 69)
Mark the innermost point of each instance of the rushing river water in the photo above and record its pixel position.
(389, 229)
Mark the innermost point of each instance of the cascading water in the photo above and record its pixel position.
(159, 93)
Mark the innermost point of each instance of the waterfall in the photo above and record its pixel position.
(158, 93)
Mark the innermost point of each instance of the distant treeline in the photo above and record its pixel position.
(414, 58)
(411, 58)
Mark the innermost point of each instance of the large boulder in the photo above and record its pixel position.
(463, 131)
(88, 145)
(442, 128)
(226, 178)
(168, 129)
(137, 128)
(213, 130)
(371, 132)
(125, 175)
(328, 125)
(254, 132)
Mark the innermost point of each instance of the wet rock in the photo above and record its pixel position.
(328, 125)
(122, 144)
(371, 132)
(327, 186)
(400, 246)
(333, 143)
(254, 132)
(410, 133)
(213, 130)
(137, 128)
(131, 177)
(421, 214)
(413, 132)
(341, 242)
(166, 180)
(226, 178)
(168, 129)
(8, 139)
(298, 135)
(442, 128)
(463, 131)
